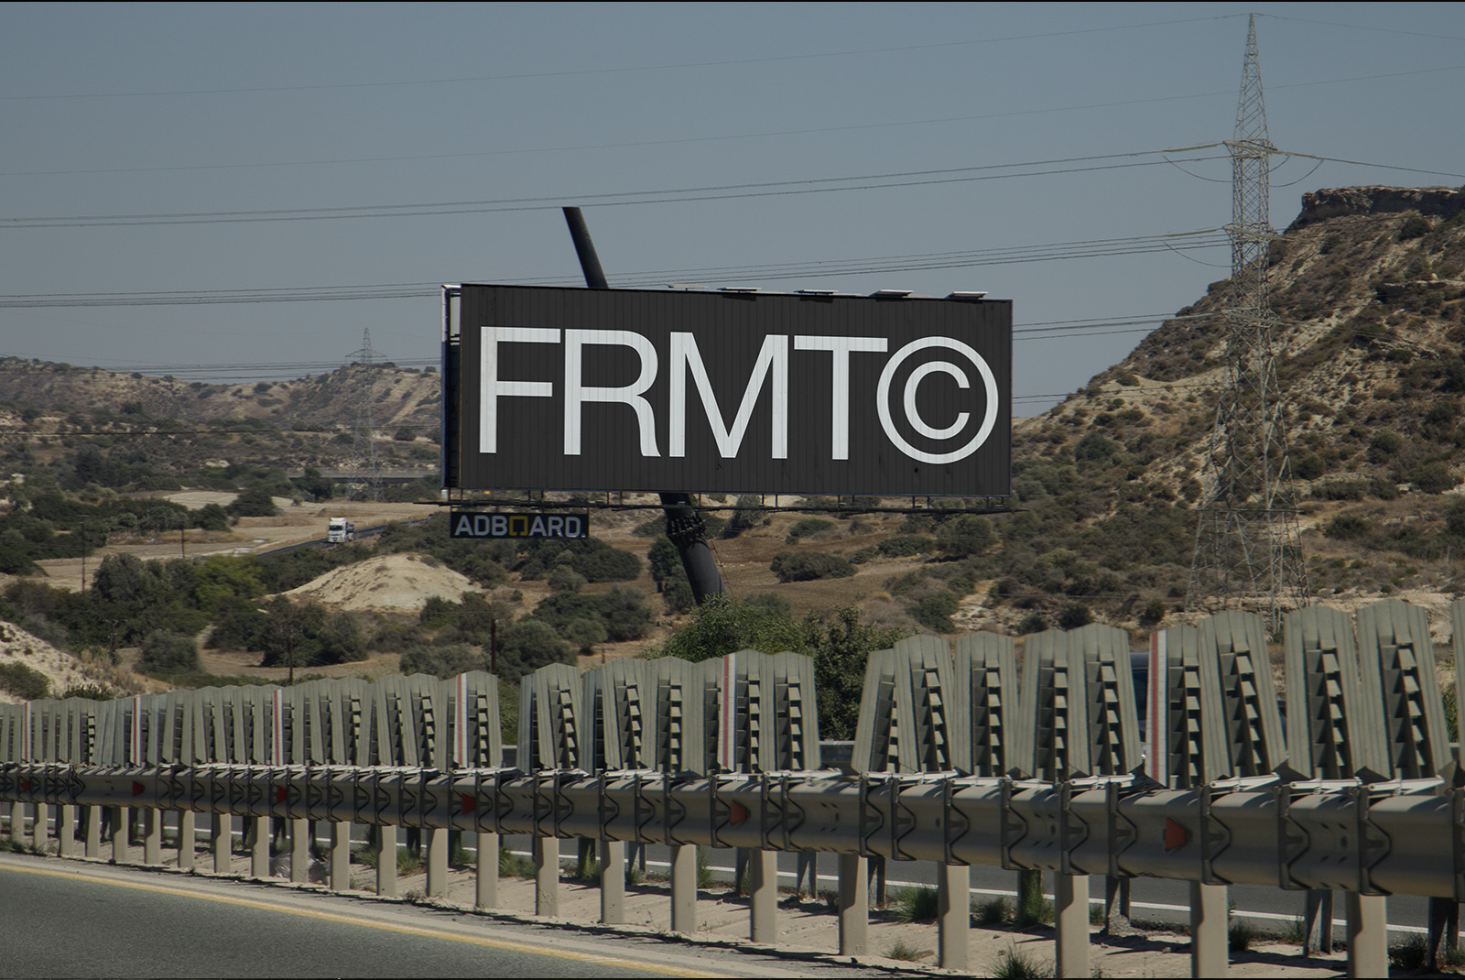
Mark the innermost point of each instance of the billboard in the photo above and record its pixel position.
(728, 391)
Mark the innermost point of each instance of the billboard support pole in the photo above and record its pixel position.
(684, 526)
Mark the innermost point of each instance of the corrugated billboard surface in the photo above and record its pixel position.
(579, 389)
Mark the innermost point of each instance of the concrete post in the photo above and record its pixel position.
(954, 915)
(41, 828)
(66, 830)
(1210, 941)
(488, 871)
(854, 905)
(386, 863)
(94, 833)
(612, 882)
(259, 854)
(763, 866)
(341, 856)
(1071, 923)
(437, 861)
(119, 834)
(17, 822)
(187, 839)
(152, 841)
(1317, 922)
(684, 888)
(1368, 935)
(223, 831)
(546, 876)
(300, 850)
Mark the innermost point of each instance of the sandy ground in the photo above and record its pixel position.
(806, 928)
(64, 671)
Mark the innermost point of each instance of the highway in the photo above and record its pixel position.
(75, 919)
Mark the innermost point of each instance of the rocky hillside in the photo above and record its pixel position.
(1367, 286)
(401, 397)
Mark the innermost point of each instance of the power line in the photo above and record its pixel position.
(780, 188)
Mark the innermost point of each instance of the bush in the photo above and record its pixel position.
(1075, 616)
(964, 536)
(802, 566)
(748, 513)
(934, 612)
(916, 905)
(807, 527)
(24, 682)
(1413, 227)
(166, 653)
(904, 545)
(443, 661)
(254, 502)
(1346, 527)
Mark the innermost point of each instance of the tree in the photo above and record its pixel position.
(254, 502)
(724, 625)
(841, 646)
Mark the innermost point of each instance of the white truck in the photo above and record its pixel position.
(340, 530)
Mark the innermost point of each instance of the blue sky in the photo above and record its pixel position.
(780, 146)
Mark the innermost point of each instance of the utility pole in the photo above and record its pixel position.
(684, 526)
(1247, 543)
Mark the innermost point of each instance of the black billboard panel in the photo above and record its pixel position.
(640, 390)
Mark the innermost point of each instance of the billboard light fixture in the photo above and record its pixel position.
(685, 285)
(968, 294)
(737, 289)
(891, 293)
(816, 292)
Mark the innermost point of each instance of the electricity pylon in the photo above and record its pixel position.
(1247, 543)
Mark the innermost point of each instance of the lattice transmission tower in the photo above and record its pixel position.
(364, 460)
(1247, 544)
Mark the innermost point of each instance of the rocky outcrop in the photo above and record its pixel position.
(1445, 202)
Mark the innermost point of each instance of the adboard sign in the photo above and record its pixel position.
(577, 389)
(476, 524)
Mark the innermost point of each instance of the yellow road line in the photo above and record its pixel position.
(425, 933)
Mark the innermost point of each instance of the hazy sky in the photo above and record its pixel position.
(935, 148)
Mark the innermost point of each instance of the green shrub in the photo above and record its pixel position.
(443, 661)
(165, 652)
(1346, 527)
(807, 527)
(24, 682)
(1014, 964)
(904, 545)
(934, 612)
(966, 535)
(801, 566)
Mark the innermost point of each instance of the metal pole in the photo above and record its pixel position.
(684, 526)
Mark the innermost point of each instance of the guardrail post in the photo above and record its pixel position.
(1071, 924)
(17, 822)
(41, 829)
(300, 850)
(94, 832)
(152, 842)
(187, 839)
(1368, 935)
(546, 875)
(488, 871)
(1209, 936)
(954, 916)
(386, 861)
(612, 882)
(437, 861)
(66, 830)
(223, 831)
(764, 867)
(259, 852)
(341, 856)
(1317, 923)
(120, 819)
(684, 888)
(854, 905)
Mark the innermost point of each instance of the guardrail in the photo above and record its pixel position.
(956, 762)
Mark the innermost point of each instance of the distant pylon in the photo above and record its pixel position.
(364, 461)
(1247, 544)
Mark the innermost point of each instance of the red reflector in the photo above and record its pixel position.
(138, 788)
(467, 802)
(25, 785)
(1175, 835)
(737, 813)
(279, 794)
